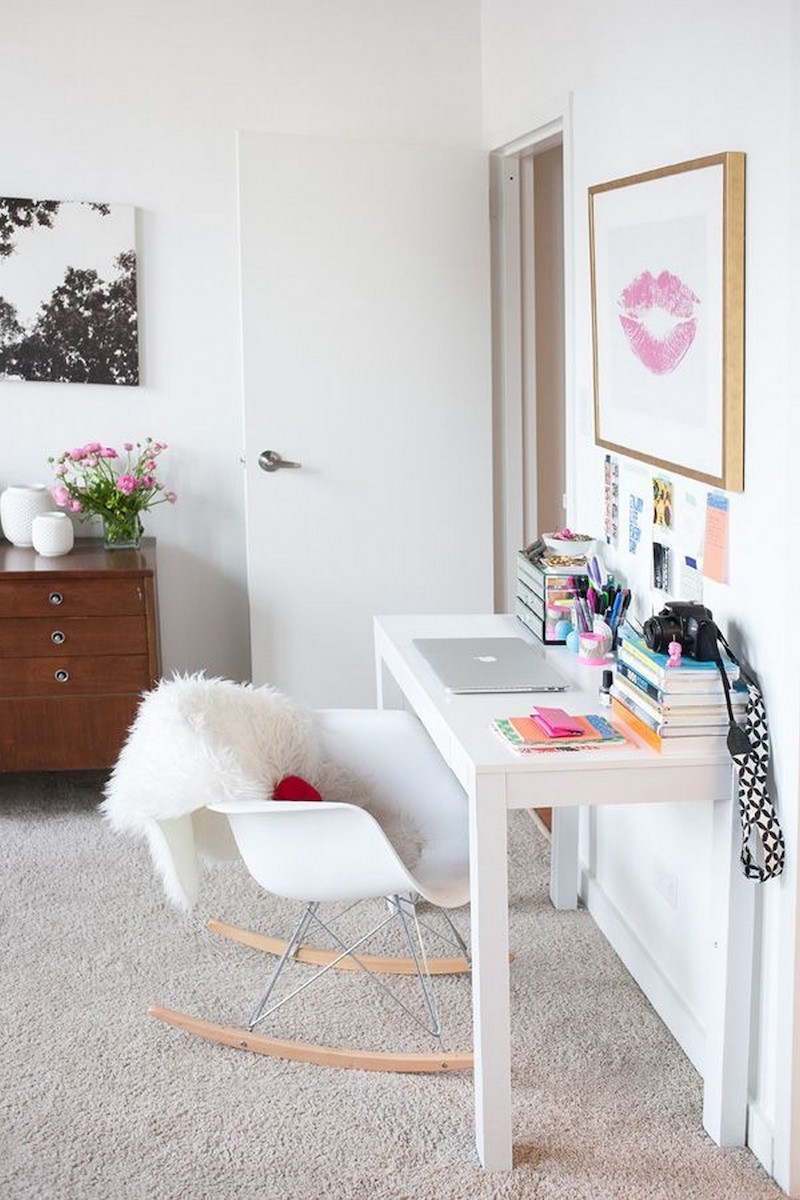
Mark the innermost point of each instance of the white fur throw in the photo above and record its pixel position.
(197, 740)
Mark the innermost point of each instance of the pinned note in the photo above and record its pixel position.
(715, 554)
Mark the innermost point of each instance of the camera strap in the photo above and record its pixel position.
(749, 749)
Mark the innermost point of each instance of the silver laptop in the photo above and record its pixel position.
(466, 665)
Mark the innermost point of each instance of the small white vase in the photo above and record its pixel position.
(19, 504)
(52, 534)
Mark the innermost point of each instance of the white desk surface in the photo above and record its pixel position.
(461, 726)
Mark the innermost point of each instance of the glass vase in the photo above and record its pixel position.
(122, 531)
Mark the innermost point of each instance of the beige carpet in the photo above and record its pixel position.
(100, 1102)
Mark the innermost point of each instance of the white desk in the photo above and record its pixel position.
(496, 780)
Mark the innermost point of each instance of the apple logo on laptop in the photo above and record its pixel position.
(485, 658)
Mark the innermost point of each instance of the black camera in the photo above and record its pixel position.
(689, 624)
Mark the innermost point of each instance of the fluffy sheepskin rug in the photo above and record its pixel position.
(196, 740)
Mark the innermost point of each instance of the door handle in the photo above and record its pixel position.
(270, 460)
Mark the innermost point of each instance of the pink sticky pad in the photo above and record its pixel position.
(555, 722)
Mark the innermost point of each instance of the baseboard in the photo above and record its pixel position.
(760, 1136)
(678, 1017)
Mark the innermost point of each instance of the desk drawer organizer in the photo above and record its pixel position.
(540, 588)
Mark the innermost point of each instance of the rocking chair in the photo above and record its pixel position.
(338, 852)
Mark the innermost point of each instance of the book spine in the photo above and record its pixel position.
(639, 698)
(635, 654)
(630, 719)
(652, 720)
(640, 667)
(639, 681)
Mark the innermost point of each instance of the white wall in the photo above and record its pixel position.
(644, 93)
(138, 102)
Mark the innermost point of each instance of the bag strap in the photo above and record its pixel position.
(749, 749)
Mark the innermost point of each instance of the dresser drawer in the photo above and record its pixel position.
(70, 734)
(33, 637)
(65, 676)
(68, 597)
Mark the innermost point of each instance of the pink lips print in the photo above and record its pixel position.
(659, 320)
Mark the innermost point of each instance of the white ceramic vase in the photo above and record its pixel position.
(52, 534)
(19, 504)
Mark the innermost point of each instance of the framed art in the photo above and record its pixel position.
(667, 281)
(68, 307)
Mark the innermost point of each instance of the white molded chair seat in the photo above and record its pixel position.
(307, 850)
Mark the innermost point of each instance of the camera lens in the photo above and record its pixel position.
(660, 631)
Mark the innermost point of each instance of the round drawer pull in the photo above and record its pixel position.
(61, 675)
(58, 636)
(56, 598)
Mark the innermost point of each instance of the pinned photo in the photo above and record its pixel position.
(662, 502)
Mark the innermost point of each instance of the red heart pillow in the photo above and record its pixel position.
(292, 787)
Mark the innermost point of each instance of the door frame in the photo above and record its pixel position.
(510, 179)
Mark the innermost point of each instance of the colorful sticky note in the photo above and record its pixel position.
(715, 555)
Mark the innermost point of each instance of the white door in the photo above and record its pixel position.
(366, 338)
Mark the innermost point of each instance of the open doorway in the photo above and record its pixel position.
(530, 359)
(544, 477)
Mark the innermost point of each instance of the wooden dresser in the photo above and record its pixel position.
(78, 645)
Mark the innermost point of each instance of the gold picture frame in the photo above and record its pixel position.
(667, 284)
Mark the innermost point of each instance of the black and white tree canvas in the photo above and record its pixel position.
(68, 292)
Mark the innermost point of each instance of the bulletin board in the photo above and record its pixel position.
(666, 534)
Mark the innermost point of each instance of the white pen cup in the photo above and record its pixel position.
(591, 649)
(602, 628)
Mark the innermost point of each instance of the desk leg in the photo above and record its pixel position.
(388, 693)
(491, 1018)
(728, 1016)
(564, 858)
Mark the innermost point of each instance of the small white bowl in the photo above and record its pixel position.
(570, 547)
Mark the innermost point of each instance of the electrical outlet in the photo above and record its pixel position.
(666, 884)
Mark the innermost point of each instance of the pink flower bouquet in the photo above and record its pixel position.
(96, 480)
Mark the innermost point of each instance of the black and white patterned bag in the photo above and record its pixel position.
(762, 838)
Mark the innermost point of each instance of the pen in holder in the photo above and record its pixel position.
(616, 617)
(606, 634)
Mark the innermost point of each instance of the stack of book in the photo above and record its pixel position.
(674, 709)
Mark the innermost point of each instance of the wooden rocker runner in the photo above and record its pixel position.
(400, 909)
(322, 1056)
(322, 958)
